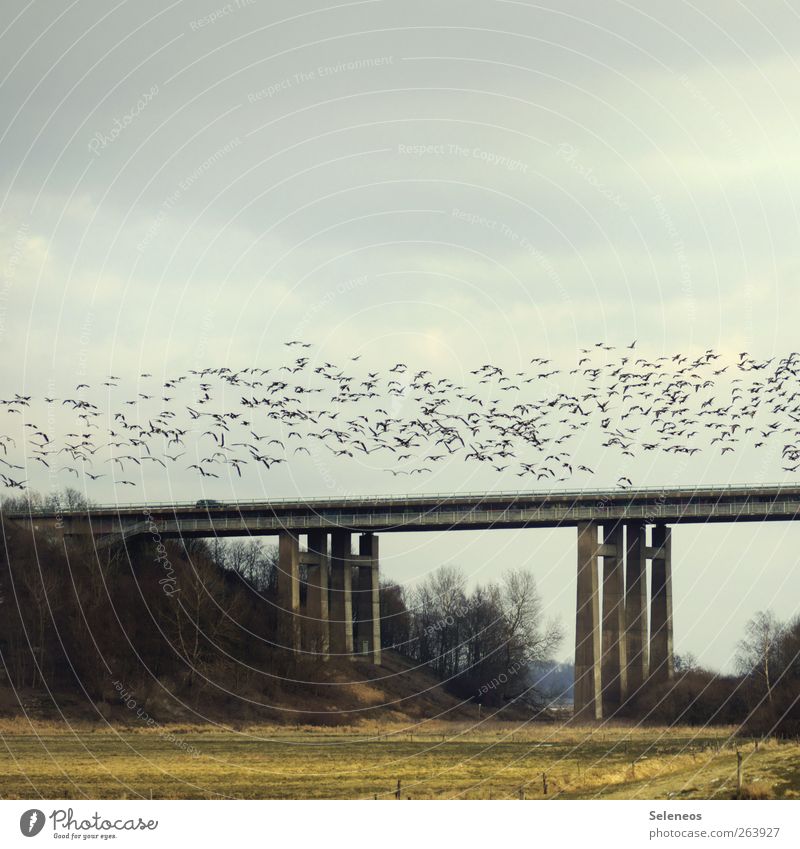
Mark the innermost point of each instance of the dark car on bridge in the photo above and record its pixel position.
(208, 502)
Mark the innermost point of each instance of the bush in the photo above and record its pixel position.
(695, 698)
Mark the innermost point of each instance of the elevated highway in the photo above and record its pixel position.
(447, 511)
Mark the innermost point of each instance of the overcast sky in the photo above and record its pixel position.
(444, 183)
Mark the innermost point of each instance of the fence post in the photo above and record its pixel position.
(738, 772)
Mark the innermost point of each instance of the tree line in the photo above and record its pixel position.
(485, 643)
(762, 695)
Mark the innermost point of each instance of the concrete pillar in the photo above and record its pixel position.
(368, 625)
(341, 597)
(637, 648)
(614, 662)
(588, 702)
(289, 590)
(317, 624)
(662, 665)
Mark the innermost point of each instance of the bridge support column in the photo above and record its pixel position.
(368, 600)
(341, 598)
(637, 649)
(289, 590)
(587, 693)
(318, 625)
(614, 663)
(662, 665)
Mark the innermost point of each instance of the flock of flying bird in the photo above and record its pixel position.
(532, 422)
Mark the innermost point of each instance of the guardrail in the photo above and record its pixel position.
(467, 518)
(630, 494)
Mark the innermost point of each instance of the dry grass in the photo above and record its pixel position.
(431, 760)
(756, 791)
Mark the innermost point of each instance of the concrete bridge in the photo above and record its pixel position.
(624, 633)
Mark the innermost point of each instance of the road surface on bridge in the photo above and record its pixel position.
(447, 511)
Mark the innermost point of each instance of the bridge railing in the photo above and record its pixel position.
(500, 517)
(639, 492)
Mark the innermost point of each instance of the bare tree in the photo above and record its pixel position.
(204, 613)
(757, 653)
(249, 558)
(528, 637)
(439, 604)
(685, 663)
(395, 617)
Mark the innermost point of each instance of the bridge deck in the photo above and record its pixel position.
(439, 512)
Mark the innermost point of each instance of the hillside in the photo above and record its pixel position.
(343, 693)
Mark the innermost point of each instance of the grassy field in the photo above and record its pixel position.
(438, 761)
